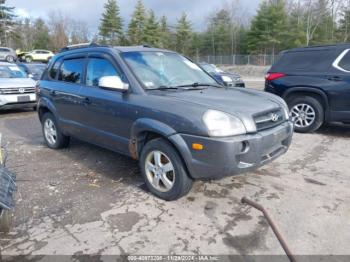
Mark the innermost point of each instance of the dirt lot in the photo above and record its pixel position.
(87, 200)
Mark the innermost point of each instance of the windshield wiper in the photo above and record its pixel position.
(164, 88)
(199, 85)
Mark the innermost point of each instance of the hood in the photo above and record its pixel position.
(16, 82)
(243, 103)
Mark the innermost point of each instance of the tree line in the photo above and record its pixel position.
(229, 30)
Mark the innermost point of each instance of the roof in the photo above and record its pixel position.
(320, 47)
(120, 49)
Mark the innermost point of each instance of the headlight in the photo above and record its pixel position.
(220, 124)
(226, 78)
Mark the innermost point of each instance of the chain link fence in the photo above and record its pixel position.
(238, 60)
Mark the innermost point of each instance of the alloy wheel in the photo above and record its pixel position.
(160, 171)
(50, 131)
(303, 115)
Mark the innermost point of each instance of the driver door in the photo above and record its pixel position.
(105, 115)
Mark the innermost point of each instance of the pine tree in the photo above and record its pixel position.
(41, 35)
(137, 24)
(269, 28)
(183, 35)
(6, 22)
(165, 34)
(111, 28)
(151, 33)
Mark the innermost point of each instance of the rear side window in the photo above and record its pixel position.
(72, 71)
(310, 60)
(97, 68)
(345, 62)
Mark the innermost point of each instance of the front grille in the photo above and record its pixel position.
(17, 90)
(269, 119)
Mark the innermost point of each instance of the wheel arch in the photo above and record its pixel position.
(145, 130)
(309, 91)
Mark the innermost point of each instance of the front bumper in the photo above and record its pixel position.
(223, 157)
(17, 101)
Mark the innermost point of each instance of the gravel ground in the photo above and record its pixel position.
(87, 200)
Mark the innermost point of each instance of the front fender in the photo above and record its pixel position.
(141, 127)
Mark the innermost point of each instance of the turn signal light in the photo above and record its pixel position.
(197, 146)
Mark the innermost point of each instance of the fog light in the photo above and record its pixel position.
(197, 146)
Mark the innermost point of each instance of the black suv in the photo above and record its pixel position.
(162, 109)
(315, 82)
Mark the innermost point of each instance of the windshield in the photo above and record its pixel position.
(163, 69)
(36, 69)
(11, 71)
(211, 68)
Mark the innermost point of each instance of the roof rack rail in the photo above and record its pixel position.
(78, 46)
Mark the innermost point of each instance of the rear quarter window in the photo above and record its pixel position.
(311, 60)
(345, 62)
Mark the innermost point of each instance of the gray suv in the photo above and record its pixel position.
(159, 107)
(8, 55)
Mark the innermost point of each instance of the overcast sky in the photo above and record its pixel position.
(90, 10)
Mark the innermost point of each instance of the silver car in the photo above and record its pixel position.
(7, 54)
(17, 90)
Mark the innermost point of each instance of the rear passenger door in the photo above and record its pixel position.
(105, 112)
(64, 92)
(340, 91)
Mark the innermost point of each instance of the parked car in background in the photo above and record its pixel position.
(7, 54)
(17, 90)
(34, 71)
(224, 78)
(159, 107)
(315, 82)
(38, 56)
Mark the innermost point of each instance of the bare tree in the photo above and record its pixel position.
(58, 26)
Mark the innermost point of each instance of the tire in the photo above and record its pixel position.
(5, 221)
(53, 136)
(29, 59)
(10, 59)
(181, 182)
(311, 113)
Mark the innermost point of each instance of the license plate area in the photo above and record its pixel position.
(22, 99)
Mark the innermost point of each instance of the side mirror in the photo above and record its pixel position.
(113, 83)
(30, 75)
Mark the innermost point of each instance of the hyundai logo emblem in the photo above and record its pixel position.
(274, 117)
(21, 90)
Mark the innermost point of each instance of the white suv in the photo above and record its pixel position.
(17, 90)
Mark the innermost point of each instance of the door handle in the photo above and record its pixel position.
(86, 101)
(53, 93)
(335, 78)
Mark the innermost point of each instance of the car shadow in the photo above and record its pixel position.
(335, 130)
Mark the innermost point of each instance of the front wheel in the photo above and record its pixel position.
(307, 114)
(53, 136)
(164, 171)
(29, 59)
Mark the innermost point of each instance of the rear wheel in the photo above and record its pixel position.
(5, 221)
(307, 113)
(53, 136)
(10, 59)
(164, 171)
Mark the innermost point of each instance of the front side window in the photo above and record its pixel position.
(158, 69)
(97, 68)
(12, 71)
(72, 71)
(54, 69)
